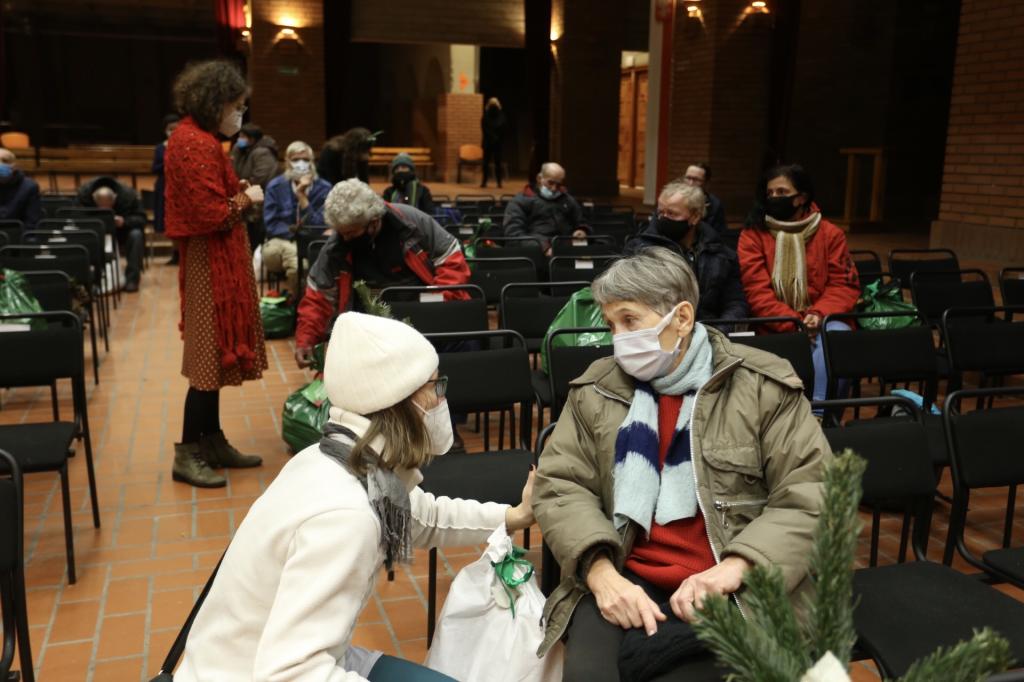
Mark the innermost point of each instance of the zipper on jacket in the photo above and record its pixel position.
(724, 506)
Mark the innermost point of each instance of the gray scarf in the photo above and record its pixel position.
(388, 495)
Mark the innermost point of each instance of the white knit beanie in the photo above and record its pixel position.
(374, 362)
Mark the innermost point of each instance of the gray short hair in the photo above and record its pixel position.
(657, 277)
(693, 196)
(352, 202)
(299, 146)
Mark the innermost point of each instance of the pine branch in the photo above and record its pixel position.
(830, 614)
(767, 604)
(985, 654)
(747, 649)
(371, 304)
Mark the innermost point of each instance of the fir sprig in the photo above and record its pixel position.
(973, 661)
(372, 305)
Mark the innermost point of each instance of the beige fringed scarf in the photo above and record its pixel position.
(789, 276)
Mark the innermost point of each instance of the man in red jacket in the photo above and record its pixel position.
(382, 244)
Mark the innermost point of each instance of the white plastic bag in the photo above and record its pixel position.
(490, 629)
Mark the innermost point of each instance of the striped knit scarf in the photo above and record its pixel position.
(789, 276)
(642, 492)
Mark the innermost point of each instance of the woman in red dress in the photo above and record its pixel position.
(220, 321)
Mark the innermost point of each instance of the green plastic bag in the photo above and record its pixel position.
(278, 317)
(306, 411)
(15, 297)
(580, 311)
(879, 298)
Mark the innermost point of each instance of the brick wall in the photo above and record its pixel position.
(287, 77)
(494, 23)
(981, 213)
(458, 122)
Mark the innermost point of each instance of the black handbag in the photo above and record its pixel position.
(166, 673)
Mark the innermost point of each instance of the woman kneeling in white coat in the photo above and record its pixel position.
(303, 563)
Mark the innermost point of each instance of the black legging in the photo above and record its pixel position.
(202, 415)
(492, 154)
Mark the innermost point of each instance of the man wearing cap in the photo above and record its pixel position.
(19, 194)
(406, 188)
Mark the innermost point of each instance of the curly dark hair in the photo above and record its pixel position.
(203, 88)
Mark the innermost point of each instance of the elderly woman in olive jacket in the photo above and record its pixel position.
(755, 456)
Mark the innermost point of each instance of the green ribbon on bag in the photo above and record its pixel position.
(506, 572)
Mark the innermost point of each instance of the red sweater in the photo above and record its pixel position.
(674, 552)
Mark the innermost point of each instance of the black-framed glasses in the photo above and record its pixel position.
(440, 385)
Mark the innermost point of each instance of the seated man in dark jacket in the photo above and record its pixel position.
(381, 244)
(699, 175)
(678, 226)
(19, 195)
(406, 188)
(129, 218)
(545, 210)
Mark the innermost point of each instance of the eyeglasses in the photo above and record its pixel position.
(440, 385)
(241, 108)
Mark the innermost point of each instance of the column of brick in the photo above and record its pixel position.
(287, 77)
(981, 213)
(458, 122)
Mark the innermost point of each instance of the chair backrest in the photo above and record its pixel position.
(586, 268)
(904, 262)
(619, 226)
(596, 245)
(935, 291)
(511, 247)
(895, 355)
(566, 363)
(93, 241)
(16, 139)
(979, 340)
(471, 152)
(11, 519)
(429, 312)
(12, 229)
(52, 288)
(73, 259)
(495, 378)
(84, 212)
(899, 467)
(792, 346)
(492, 274)
(868, 264)
(1011, 285)
(985, 445)
(314, 249)
(530, 308)
(480, 203)
(53, 351)
(51, 204)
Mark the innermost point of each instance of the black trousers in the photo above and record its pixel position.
(133, 245)
(592, 647)
(492, 154)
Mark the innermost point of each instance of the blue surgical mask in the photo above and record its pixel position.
(242, 143)
(5, 171)
(549, 193)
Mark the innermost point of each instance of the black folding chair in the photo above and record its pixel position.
(511, 247)
(530, 308)
(13, 601)
(567, 363)
(114, 254)
(45, 356)
(905, 262)
(585, 268)
(482, 381)
(1011, 285)
(304, 236)
(935, 291)
(478, 202)
(984, 449)
(907, 610)
(619, 226)
(980, 340)
(595, 245)
(427, 309)
(11, 229)
(52, 204)
(793, 346)
(868, 264)
(314, 249)
(492, 274)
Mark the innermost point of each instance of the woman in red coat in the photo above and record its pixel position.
(794, 263)
(220, 321)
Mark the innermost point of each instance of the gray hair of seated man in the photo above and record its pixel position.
(352, 202)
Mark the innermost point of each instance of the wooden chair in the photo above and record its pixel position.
(469, 155)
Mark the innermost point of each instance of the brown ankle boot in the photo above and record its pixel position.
(217, 452)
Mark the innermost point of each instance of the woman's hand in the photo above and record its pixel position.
(579, 234)
(724, 578)
(521, 516)
(255, 193)
(812, 322)
(303, 357)
(621, 602)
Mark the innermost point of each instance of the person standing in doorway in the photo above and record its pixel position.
(493, 126)
(220, 321)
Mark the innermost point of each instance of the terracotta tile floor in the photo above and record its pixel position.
(139, 574)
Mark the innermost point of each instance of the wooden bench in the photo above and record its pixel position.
(80, 162)
(380, 157)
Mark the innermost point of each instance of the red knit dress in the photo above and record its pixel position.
(220, 320)
(680, 549)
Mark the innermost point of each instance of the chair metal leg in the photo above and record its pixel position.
(95, 353)
(53, 401)
(87, 438)
(21, 620)
(1011, 505)
(876, 522)
(431, 595)
(501, 430)
(69, 540)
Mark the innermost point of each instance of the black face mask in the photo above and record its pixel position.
(676, 230)
(402, 178)
(780, 208)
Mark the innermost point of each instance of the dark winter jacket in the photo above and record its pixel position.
(158, 186)
(127, 204)
(714, 213)
(19, 200)
(529, 214)
(493, 127)
(412, 193)
(716, 267)
(257, 163)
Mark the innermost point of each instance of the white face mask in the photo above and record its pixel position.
(300, 166)
(640, 354)
(439, 428)
(231, 124)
